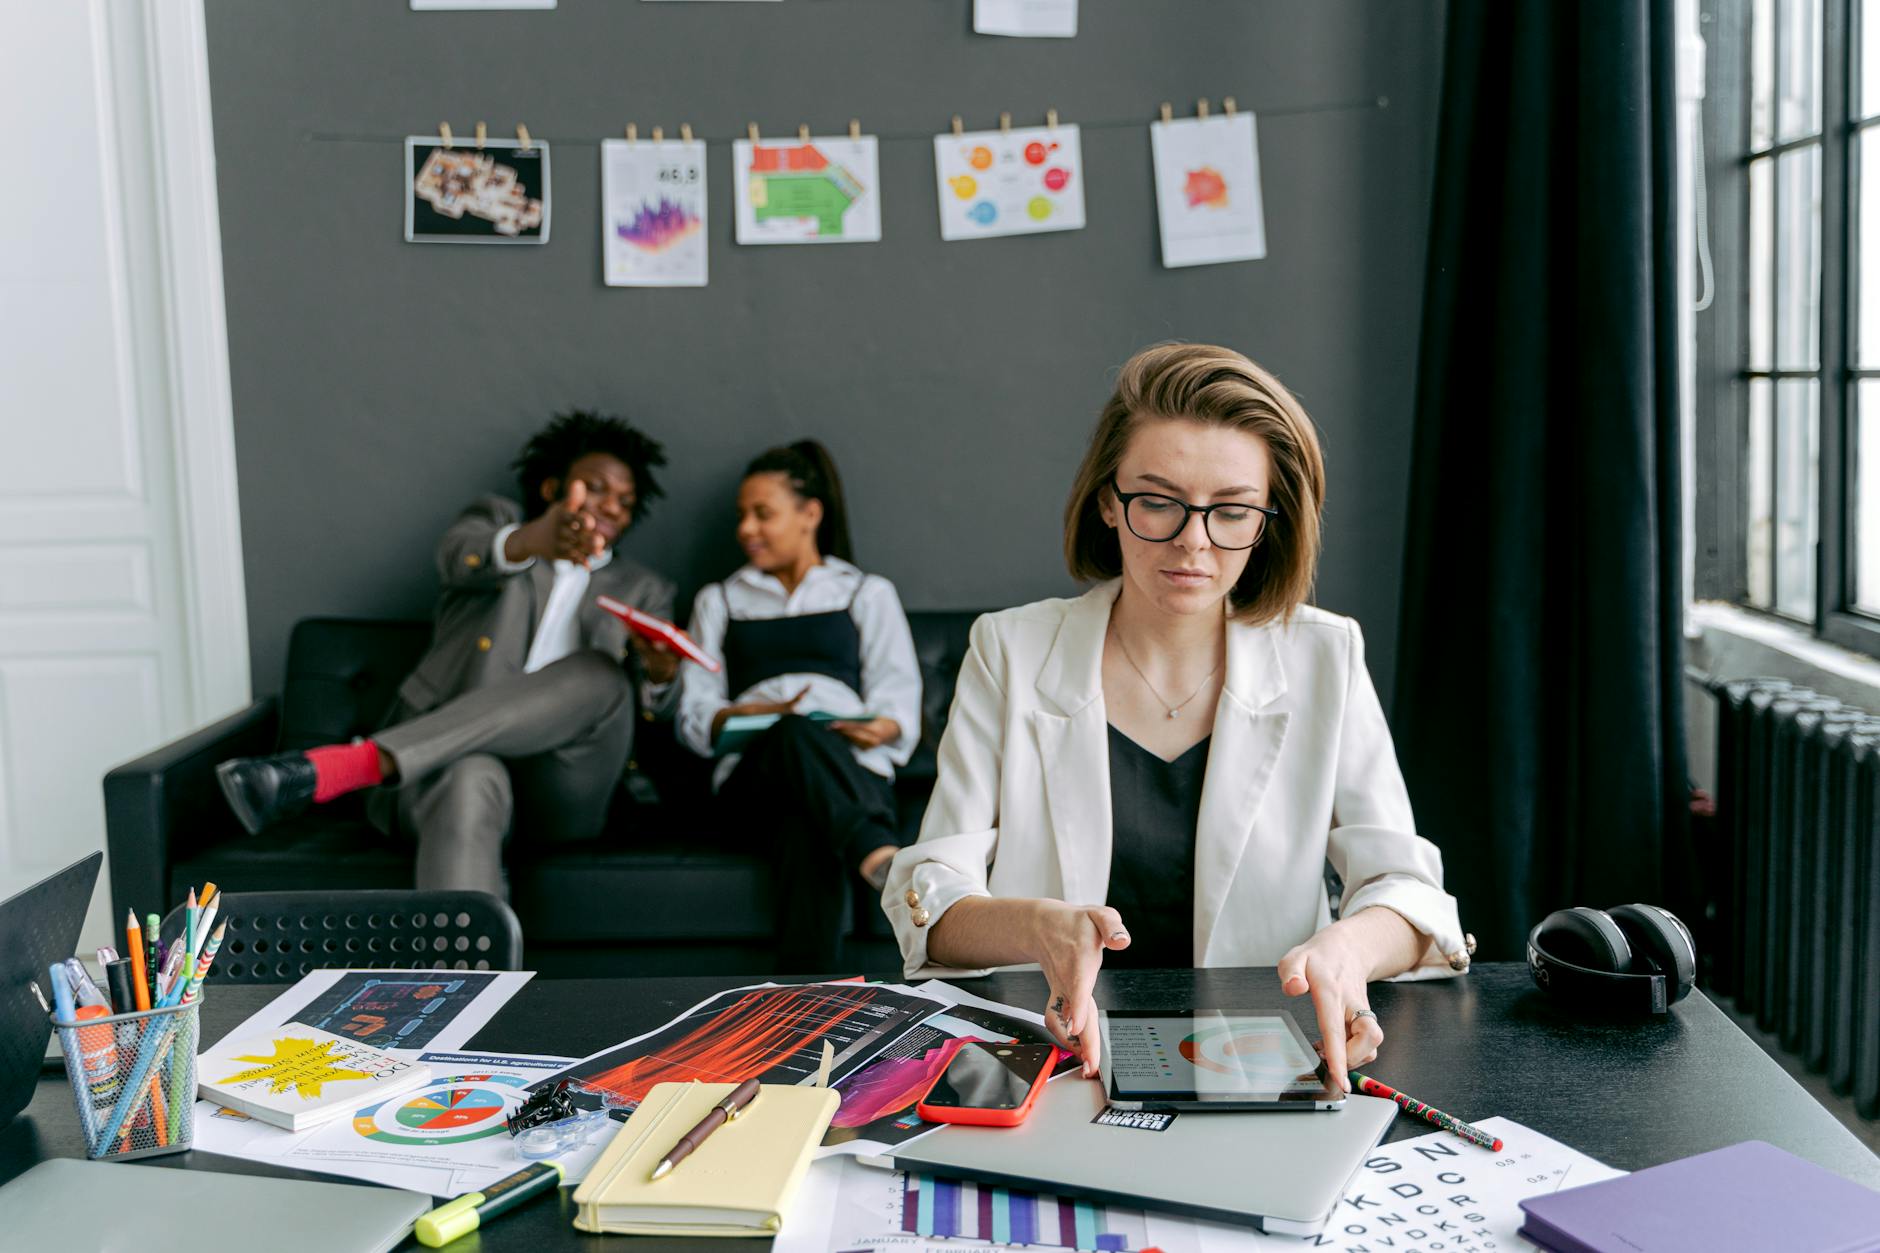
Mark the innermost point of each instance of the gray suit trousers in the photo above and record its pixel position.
(539, 752)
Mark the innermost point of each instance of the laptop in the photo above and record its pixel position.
(1278, 1173)
(38, 926)
(64, 1204)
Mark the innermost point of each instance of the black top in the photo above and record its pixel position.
(1154, 808)
(826, 643)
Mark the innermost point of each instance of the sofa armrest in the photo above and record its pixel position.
(165, 805)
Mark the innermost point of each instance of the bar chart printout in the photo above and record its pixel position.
(946, 1208)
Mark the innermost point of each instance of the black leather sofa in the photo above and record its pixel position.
(653, 895)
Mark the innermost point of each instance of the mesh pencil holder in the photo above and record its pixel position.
(134, 1080)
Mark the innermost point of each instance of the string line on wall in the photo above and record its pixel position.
(1374, 104)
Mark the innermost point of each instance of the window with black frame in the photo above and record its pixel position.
(1788, 358)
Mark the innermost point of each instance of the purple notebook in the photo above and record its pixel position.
(1748, 1196)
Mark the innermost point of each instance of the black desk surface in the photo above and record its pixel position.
(1630, 1094)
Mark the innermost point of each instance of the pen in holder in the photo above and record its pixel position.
(134, 1079)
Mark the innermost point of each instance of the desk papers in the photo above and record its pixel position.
(1429, 1194)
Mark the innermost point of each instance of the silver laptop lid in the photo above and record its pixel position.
(1282, 1172)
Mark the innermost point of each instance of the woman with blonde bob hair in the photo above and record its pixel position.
(1155, 773)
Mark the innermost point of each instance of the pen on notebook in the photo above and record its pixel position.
(716, 1117)
(1429, 1114)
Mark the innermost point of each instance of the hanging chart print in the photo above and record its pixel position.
(1207, 190)
(653, 213)
(1016, 182)
(820, 190)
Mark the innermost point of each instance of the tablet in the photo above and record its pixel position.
(1211, 1059)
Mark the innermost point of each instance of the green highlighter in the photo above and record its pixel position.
(471, 1210)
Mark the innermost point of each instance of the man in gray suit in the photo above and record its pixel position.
(522, 711)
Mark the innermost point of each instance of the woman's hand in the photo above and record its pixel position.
(870, 734)
(778, 707)
(1336, 967)
(1068, 941)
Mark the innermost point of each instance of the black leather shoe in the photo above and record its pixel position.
(264, 790)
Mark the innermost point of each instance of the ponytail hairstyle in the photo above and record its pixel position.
(811, 473)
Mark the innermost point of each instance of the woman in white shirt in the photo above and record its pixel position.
(802, 631)
(1166, 763)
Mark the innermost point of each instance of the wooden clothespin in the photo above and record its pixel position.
(750, 130)
(482, 134)
(855, 128)
(802, 132)
(1201, 107)
(633, 132)
(959, 128)
(1050, 119)
(522, 137)
(1228, 107)
(659, 134)
(685, 131)
(443, 132)
(1168, 112)
(1005, 123)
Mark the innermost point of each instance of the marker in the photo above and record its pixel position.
(153, 963)
(117, 977)
(471, 1210)
(62, 1000)
(1429, 1114)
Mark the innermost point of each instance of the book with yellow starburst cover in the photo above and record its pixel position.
(299, 1077)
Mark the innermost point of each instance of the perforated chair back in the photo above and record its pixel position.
(277, 937)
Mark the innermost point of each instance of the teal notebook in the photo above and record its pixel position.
(740, 729)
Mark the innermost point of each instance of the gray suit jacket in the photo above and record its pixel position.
(486, 619)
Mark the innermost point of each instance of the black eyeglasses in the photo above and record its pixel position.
(1230, 525)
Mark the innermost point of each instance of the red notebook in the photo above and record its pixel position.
(658, 629)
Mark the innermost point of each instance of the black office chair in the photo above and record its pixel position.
(277, 937)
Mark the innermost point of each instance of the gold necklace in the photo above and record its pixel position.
(1174, 711)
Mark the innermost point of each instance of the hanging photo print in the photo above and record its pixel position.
(1207, 190)
(653, 213)
(465, 193)
(821, 190)
(1015, 182)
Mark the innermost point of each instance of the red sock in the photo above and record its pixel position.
(342, 768)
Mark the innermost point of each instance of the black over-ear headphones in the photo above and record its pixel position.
(1627, 959)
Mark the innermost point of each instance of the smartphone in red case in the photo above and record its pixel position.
(988, 1085)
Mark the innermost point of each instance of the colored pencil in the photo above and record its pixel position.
(1429, 1114)
(134, 944)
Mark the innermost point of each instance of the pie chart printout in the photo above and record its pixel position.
(446, 1111)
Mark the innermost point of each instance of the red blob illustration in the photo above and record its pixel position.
(1035, 153)
(1057, 178)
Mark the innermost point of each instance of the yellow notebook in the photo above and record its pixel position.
(738, 1183)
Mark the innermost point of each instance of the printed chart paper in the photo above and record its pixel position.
(653, 219)
(466, 194)
(1016, 182)
(1428, 1194)
(1035, 19)
(392, 1009)
(823, 190)
(446, 1136)
(1207, 190)
(890, 1041)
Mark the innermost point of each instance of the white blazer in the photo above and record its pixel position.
(1301, 769)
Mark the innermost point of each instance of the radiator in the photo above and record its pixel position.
(1796, 936)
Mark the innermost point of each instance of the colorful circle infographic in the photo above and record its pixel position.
(446, 1111)
(1230, 1050)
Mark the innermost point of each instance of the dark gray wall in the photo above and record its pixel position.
(378, 385)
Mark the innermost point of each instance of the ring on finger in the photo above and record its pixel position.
(1360, 1013)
